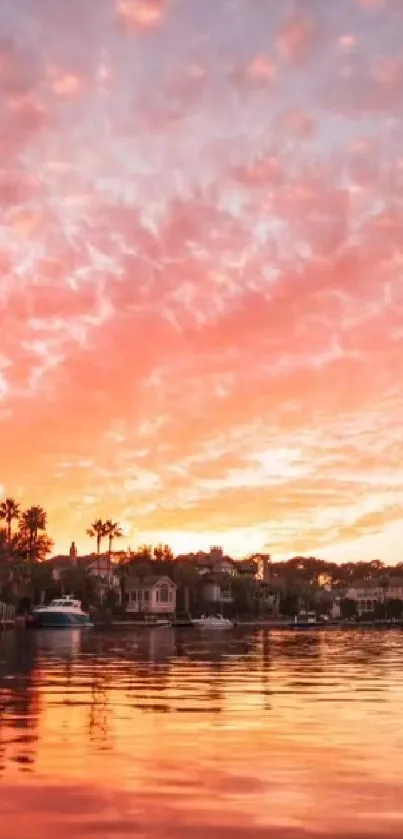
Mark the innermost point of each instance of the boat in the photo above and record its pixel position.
(63, 612)
(212, 622)
(307, 620)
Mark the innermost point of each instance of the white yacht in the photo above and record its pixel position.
(212, 622)
(62, 612)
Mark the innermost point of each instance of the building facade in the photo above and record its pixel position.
(368, 596)
(151, 596)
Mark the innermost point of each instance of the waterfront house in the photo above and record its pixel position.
(367, 596)
(206, 562)
(96, 566)
(217, 590)
(217, 562)
(248, 568)
(153, 595)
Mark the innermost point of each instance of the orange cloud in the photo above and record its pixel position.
(201, 306)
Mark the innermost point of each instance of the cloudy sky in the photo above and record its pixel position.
(201, 292)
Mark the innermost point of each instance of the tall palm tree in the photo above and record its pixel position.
(9, 510)
(32, 521)
(98, 530)
(113, 531)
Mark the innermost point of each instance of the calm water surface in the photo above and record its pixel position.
(166, 734)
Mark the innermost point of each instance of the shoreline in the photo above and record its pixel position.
(282, 625)
(256, 624)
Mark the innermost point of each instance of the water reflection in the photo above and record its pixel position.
(177, 733)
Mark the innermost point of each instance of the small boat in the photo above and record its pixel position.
(63, 612)
(151, 623)
(212, 622)
(307, 620)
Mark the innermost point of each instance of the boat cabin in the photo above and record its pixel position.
(65, 603)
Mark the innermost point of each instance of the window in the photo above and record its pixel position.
(164, 594)
(146, 595)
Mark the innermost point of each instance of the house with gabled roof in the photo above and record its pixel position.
(100, 567)
(151, 595)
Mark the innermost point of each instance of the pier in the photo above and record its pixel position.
(7, 615)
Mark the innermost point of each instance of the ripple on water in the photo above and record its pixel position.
(174, 734)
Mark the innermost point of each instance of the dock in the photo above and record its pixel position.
(7, 616)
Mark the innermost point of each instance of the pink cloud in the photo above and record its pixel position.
(262, 69)
(201, 248)
(296, 38)
(141, 14)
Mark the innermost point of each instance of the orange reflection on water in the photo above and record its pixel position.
(176, 735)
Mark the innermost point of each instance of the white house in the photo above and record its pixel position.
(151, 596)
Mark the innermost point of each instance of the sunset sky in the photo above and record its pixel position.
(201, 293)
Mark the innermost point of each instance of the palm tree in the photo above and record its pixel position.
(32, 521)
(9, 510)
(113, 531)
(98, 530)
(186, 577)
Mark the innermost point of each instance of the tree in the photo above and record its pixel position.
(9, 511)
(246, 594)
(163, 553)
(348, 608)
(84, 586)
(27, 550)
(5, 557)
(41, 581)
(189, 600)
(98, 530)
(144, 552)
(121, 570)
(32, 521)
(112, 531)
(394, 608)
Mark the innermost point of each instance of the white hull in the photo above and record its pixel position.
(215, 623)
(64, 612)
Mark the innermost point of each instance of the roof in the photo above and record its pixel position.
(149, 581)
(207, 558)
(60, 561)
(395, 582)
(248, 565)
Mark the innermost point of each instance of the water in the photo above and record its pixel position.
(180, 735)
